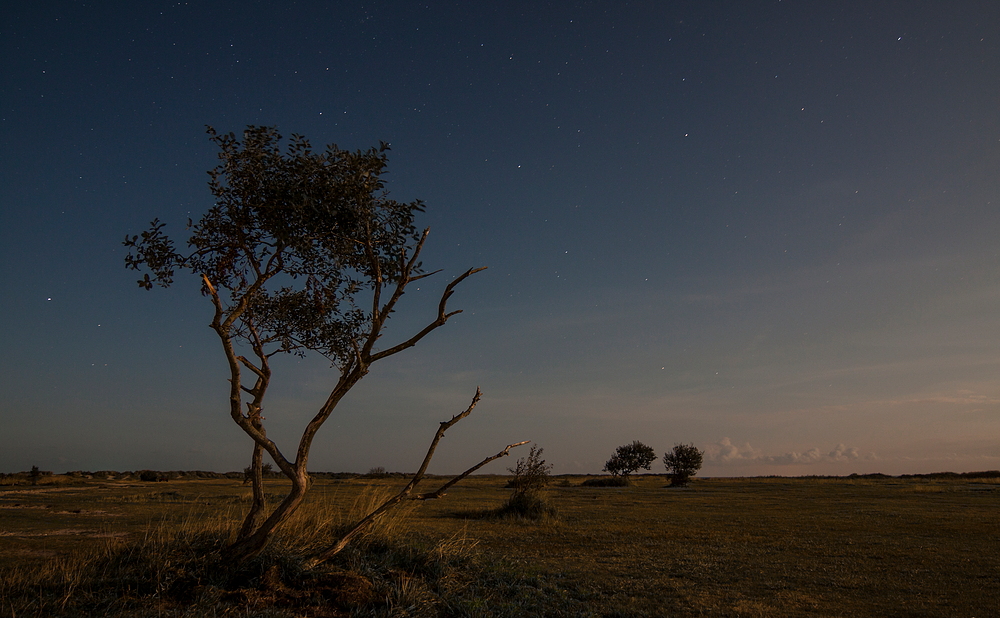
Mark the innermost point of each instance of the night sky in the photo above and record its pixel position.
(766, 228)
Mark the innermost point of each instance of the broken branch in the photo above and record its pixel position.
(404, 494)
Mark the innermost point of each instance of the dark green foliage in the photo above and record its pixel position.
(629, 458)
(682, 463)
(319, 219)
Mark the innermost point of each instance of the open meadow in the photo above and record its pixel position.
(720, 547)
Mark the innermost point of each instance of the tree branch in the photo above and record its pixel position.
(404, 494)
(235, 398)
(254, 368)
(424, 275)
(442, 317)
(380, 314)
(440, 492)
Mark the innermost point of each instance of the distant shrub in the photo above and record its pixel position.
(606, 481)
(334, 476)
(377, 472)
(152, 476)
(983, 474)
(531, 473)
(682, 463)
(265, 470)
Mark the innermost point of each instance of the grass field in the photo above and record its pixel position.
(721, 547)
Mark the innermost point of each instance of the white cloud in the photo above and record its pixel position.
(725, 452)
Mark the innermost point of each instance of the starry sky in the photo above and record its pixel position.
(767, 228)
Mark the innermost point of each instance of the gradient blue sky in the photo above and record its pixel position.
(767, 228)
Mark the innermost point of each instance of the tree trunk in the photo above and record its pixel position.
(248, 547)
(259, 502)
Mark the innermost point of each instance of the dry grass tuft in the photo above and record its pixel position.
(174, 567)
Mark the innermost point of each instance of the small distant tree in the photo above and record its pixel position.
(629, 458)
(682, 463)
(35, 474)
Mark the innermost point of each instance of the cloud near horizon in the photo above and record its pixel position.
(725, 452)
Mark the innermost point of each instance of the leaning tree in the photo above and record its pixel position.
(303, 251)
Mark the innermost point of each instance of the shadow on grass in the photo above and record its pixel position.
(606, 481)
(524, 506)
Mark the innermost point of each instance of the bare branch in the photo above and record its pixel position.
(254, 368)
(441, 490)
(424, 276)
(442, 317)
(445, 426)
(380, 314)
(404, 494)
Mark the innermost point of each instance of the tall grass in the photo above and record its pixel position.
(177, 569)
(169, 563)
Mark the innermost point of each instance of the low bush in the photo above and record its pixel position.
(152, 476)
(377, 472)
(527, 501)
(531, 473)
(526, 505)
